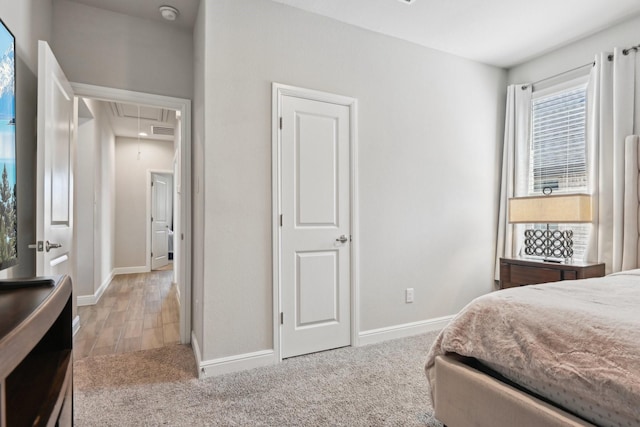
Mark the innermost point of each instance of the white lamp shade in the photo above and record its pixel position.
(557, 209)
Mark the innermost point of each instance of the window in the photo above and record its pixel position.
(557, 156)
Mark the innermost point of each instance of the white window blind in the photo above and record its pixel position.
(558, 154)
(557, 157)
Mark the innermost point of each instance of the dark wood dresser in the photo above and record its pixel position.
(520, 272)
(36, 353)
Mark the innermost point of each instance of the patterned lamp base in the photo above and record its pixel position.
(547, 243)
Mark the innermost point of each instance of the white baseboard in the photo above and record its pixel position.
(75, 326)
(93, 299)
(400, 331)
(196, 352)
(241, 362)
(227, 365)
(131, 270)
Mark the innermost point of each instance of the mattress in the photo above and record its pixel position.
(574, 343)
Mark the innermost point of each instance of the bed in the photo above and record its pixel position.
(556, 354)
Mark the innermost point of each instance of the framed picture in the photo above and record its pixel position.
(8, 177)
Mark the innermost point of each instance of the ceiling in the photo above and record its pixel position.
(156, 123)
(498, 32)
(148, 9)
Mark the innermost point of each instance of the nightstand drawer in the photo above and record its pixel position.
(519, 272)
(521, 275)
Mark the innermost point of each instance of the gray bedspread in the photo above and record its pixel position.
(576, 343)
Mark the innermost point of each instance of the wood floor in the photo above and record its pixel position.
(136, 312)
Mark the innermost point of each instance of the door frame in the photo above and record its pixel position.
(278, 91)
(182, 105)
(150, 172)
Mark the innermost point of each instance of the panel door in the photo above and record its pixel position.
(160, 220)
(56, 143)
(315, 233)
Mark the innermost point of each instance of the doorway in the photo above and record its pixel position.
(315, 221)
(180, 162)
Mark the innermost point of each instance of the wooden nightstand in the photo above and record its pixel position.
(520, 272)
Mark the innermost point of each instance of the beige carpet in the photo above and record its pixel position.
(376, 385)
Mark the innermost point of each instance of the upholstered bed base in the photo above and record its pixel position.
(465, 396)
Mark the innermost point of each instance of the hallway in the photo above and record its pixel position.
(136, 312)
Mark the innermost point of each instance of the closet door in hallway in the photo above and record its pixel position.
(136, 312)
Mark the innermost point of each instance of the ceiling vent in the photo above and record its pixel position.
(161, 130)
(406, 1)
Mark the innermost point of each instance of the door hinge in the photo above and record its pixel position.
(152, 183)
(281, 318)
(280, 122)
(281, 220)
(151, 254)
(350, 238)
(181, 236)
(151, 219)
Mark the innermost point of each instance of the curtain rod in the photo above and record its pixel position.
(625, 51)
(610, 58)
(590, 64)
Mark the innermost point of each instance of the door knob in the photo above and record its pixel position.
(342, 239)
(48, 246)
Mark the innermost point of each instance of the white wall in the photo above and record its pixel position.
(131, 179)
(197, 172)
(84, 203)
(106, 205)
(430, 126)
(576, 54)
(29, 21)
(95, 215)
(105, 48)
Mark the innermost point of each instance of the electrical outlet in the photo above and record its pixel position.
(408, 295)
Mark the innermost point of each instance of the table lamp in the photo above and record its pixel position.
(553, 245)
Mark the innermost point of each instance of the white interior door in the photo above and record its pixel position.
(56, 142)
(316, 220)
(160, 220)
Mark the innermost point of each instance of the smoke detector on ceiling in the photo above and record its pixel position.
(169, 13)
(406, 1)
